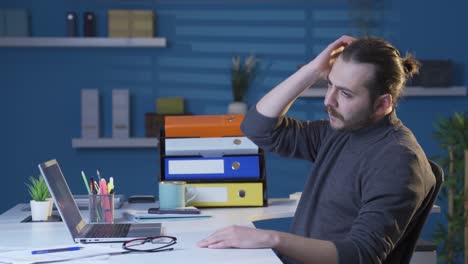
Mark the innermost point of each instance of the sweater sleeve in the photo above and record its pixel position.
(283, 135)
(393, 188)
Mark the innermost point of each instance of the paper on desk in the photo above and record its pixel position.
(139, 215)
(295, 196)
(6, 249)
(89, 252)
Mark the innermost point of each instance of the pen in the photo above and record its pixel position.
(110, 185)
(98, 175)
(85, 182)
(96, 186)
(92, 185)
(54, 250)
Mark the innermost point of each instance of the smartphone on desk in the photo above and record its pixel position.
(189, 210)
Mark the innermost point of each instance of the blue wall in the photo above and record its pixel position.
(40, 87)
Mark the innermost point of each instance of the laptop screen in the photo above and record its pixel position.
(62, 196)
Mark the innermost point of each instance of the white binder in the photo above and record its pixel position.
(120, 113)
(89, 113)
(210, 147)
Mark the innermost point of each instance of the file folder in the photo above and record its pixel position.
(120, 113)
(203, 126)
(227, 194)
(126, 23)
(118, 23)
(211, 169)
(142, 23)
(210, 147)
(90, 113)
(170, 105)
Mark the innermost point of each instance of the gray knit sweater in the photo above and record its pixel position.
(366, 189)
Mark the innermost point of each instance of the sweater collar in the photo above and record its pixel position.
(375, 129)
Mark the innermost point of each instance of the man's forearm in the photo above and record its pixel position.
(280, 98)
(305, 250)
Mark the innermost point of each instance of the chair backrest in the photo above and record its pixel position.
(412, 237)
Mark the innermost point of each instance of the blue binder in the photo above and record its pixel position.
(219, 169)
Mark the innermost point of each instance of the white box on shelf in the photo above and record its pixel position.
(120, 113)
(89, 113)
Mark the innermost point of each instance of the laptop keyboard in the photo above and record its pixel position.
(106, 230)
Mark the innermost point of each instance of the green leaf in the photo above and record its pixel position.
(451, 133)
(37, 188)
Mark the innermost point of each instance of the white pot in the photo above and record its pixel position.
(237, 108)
(40, 210)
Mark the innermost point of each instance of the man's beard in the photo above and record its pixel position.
(334, 113)
(358, 121)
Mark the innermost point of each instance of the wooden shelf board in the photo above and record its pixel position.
(409, 91)
(81, 42)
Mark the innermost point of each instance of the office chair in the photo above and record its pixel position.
(406, 249)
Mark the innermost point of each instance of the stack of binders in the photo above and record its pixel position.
(220, 165)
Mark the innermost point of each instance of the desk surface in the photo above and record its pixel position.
(188, 232)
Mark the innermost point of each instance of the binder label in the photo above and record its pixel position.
(215, 166)
(211, 194)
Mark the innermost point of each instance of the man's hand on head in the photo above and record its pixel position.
(324, 61)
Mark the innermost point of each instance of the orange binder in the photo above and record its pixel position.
(203, 126)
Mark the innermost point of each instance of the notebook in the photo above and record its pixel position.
(81, 231)
(141, 216)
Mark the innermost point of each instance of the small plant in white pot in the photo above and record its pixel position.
(242, 74)
(40, 202)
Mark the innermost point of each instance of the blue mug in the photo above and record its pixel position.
(173, 194)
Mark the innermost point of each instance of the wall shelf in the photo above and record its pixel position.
(83, 42)
(409, 91)
(115, 143)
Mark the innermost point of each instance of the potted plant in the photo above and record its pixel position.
(40, 203)
(466, 203)
(242, 74)
(452, 135)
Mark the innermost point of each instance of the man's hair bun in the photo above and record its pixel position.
(410, 65)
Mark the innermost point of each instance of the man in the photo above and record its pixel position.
(370, 180)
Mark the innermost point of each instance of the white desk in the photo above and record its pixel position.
(188, 232)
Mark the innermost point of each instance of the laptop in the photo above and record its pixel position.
(80, 231)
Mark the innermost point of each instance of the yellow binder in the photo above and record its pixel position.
(227, 194)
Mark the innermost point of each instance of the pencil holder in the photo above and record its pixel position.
(101, 208)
